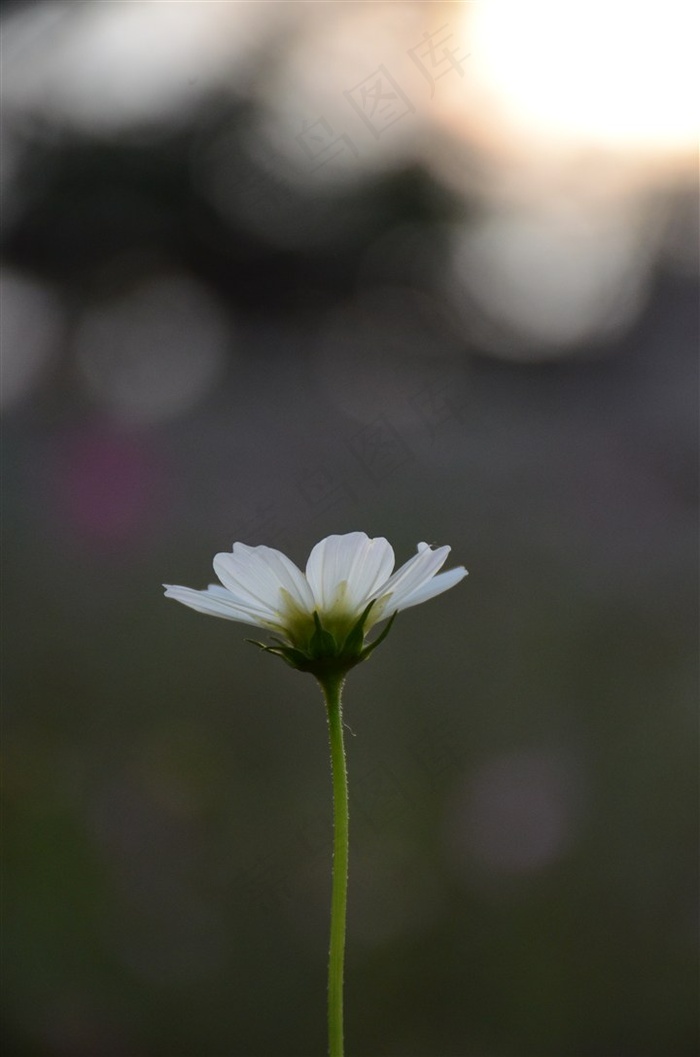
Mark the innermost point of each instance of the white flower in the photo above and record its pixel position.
(348, 586)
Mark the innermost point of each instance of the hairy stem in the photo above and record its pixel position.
(332, 688)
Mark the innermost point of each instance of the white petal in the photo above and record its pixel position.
(371, 568)
(256, 575)
(375, 569)
(230, 599)
(438, 584)
(363, 563)
(328, 565)
(216, 601)
(289, 575)
(416, 572)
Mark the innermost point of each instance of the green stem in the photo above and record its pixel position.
(332, 688)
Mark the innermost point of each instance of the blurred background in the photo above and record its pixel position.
(274, 270)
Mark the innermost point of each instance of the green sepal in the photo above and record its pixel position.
(323, 657)
(322, 643)
(354, 641)
(294, 658)
(380, 638)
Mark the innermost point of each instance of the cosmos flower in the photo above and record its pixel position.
(319, 619)
(322, 614)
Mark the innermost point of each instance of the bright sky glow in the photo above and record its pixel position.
(620, 74)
